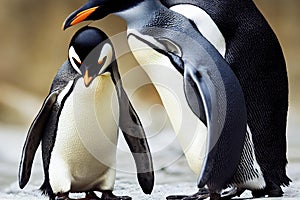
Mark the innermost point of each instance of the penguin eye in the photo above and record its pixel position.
(105, 57)
(74, 59)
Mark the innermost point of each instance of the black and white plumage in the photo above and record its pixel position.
(78, 124)
(254, 54)
(211, 94)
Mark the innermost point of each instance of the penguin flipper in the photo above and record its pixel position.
(34, 137)
(135, 137)
(216, 90)
(215, 96)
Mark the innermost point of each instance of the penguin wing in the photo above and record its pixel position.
(34, 137)
(135, 137)
(215, 96)
(64, 75)
(215, 89)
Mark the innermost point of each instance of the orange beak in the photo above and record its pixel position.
(80, 17)
(87, 79)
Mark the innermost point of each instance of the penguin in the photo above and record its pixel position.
(209, 92)
(245, 39)
(78, 125)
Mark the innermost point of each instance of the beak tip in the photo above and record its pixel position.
(86, 83)
(63, 27)
(66, 24)
(68, 21)
(87, 79)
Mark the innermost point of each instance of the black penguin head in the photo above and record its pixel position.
(98, 9)
(91, 53)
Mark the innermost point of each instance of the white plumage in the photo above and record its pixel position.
(84, 154)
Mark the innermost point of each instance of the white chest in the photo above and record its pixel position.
(190, 131)
(85, 145)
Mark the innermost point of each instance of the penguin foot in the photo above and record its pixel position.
(203, 193)
(215, 196)
(108, 195)
(258, 193)
(272, 190)
(62, 196)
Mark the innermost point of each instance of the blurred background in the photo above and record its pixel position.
(33, 47)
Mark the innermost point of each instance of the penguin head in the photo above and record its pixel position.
(97, 9)
(91, 53)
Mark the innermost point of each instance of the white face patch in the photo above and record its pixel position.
(73, 55)
(106, 55)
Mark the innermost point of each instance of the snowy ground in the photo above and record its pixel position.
(172, 176)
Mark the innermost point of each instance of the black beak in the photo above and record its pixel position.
(79, 15)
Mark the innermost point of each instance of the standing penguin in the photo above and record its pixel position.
(78, 125)
(211, 94)
(242, 35)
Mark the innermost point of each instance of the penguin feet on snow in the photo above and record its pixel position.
(78, 125)
(203, 193)
(106, 195)
(272, 190)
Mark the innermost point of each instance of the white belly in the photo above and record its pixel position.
(84, 154)
(190, 131)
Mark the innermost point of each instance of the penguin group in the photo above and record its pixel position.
(224, 63)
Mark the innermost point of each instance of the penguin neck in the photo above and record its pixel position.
(145, 8)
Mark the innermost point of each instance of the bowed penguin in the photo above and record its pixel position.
(78, 125)
(242, 35)
(208, 91)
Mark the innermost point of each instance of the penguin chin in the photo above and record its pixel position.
(88, 80)
(87, 84)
